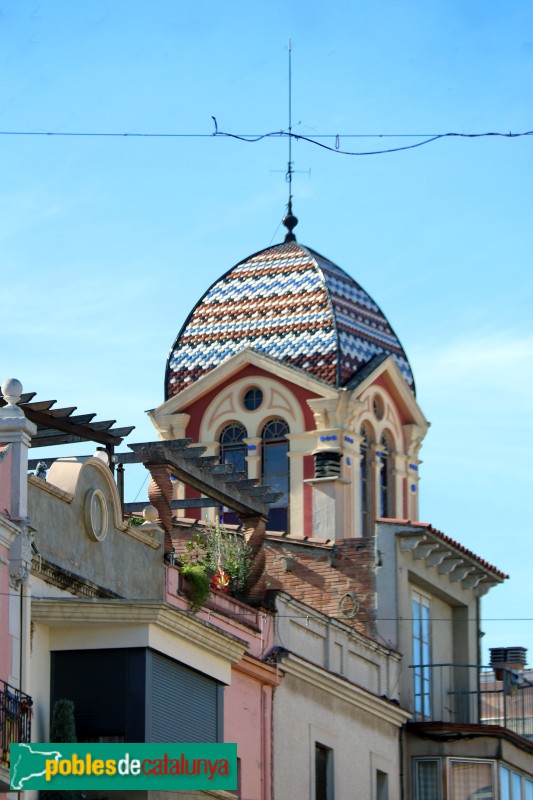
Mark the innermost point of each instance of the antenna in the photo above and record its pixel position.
(289, 166)
(290, 220)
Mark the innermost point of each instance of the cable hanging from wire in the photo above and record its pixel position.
(337, 137)
(317, 139)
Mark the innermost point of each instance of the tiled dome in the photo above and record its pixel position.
(292, 304)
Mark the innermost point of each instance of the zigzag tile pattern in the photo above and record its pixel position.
(292, 304)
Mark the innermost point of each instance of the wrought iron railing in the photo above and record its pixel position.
(468, 694)
(15, 719)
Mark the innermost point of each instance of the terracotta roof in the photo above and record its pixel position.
(293, 304)
(446, 540)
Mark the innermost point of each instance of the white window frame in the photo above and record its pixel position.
(422, 703)
(415, 762)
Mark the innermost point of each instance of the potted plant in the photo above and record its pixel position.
(218, 560)
(196, 585)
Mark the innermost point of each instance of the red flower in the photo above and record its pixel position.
(221, 581)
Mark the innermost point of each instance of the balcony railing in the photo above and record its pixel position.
(469, 694)
(15, 719)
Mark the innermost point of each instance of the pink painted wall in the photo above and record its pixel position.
(248, 721)
(248, 700)
(5, 505)
(255, 627)
(5, 639)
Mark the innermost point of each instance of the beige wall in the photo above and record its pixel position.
(453, 608)
(361, 741)
(123, 561)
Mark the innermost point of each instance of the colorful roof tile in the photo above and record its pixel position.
(292, 304)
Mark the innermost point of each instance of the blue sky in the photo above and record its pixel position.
(106, 243)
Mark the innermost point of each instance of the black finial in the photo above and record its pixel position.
(290, 222)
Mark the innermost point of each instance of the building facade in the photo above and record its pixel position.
(290, 372)
(349, 664)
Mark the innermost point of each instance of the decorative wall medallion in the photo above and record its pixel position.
(348, 606)
(96, 516)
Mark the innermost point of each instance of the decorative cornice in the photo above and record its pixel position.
(406, 396)
(234, 364)
(12, 530)
(265, 673)
(344, 690)
(66, 613)
(449, 558)
(63, 579)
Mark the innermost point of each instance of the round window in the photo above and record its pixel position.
(253, 398)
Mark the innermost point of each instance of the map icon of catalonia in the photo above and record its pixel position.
(29, 761)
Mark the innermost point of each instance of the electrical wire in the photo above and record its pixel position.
(337, 149)
(314, 140)
(254, 612)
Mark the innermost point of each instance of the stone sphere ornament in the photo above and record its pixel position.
(12, 390)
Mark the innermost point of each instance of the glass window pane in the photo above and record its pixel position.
(471, 780)
(528, 785)
(504, 784)
(427, 780)
(275, 470)
(276, 458)
(253, 398)
(236, 457)
(516, 783)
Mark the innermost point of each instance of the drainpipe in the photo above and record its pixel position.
(400, 742)
(479, 636)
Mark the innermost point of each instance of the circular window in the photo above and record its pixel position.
(379, 406)
(96, 516)
(253, 398)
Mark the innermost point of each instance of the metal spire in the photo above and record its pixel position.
(289, 220)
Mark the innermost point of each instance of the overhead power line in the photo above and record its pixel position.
(318, 139)
(337, 148)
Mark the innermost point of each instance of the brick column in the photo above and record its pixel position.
(254, 535)
(160, 495)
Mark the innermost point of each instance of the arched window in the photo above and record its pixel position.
(365, 497)
(233, 447)
(385, 482)
(275, 470)
(233, 451)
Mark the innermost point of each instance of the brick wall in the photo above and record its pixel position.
(321, 576)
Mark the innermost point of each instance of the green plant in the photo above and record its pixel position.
(199, 583)
(230, 552)
(215, 549)
(62, 729)
(63, 725)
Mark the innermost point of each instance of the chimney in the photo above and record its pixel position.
(512, 658)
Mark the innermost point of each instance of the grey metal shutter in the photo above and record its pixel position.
(182, 705)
